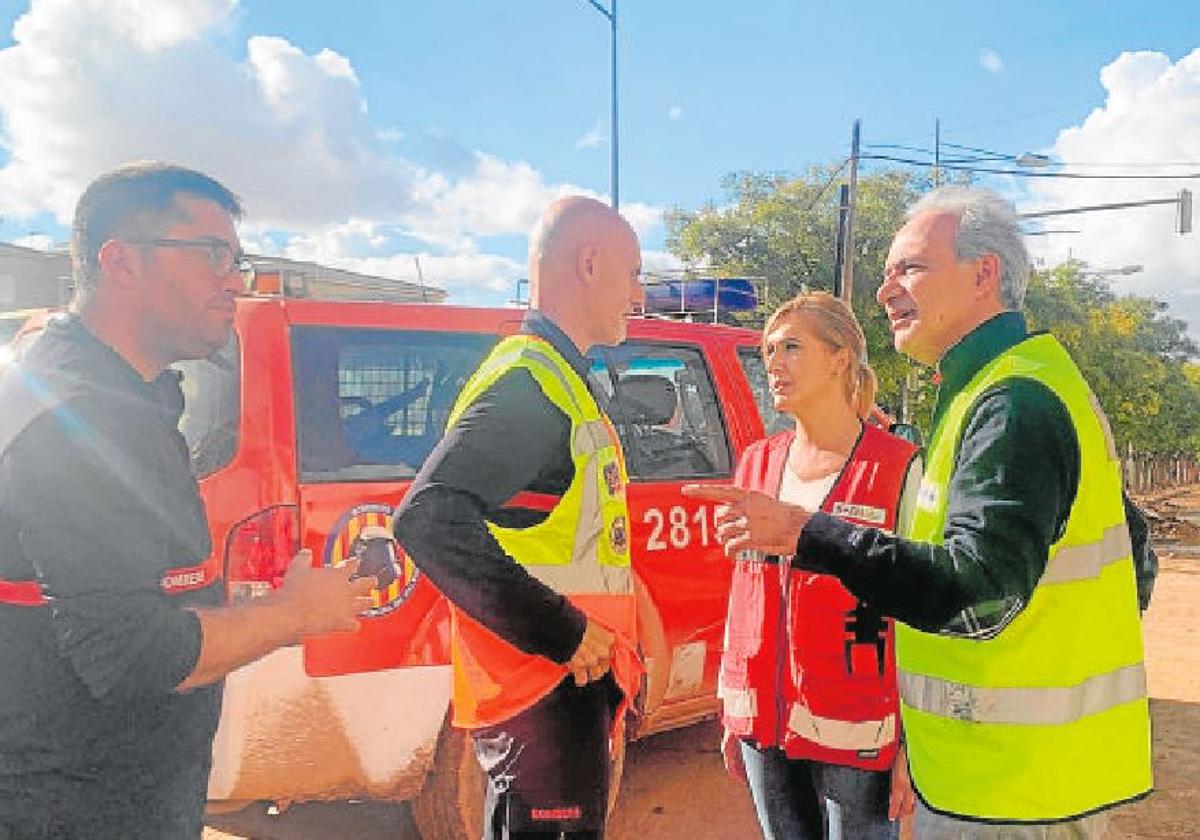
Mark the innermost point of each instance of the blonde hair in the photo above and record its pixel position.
(833, 323)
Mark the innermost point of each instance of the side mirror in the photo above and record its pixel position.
(908, 432)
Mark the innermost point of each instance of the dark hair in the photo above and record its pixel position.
(136, 199)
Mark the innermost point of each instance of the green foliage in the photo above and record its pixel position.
(1137, 358)
(784, 228)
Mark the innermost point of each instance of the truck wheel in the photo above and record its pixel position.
(450, 805)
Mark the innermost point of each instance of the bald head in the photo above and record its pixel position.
(584, 263)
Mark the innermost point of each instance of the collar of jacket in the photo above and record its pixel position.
(536, 323)
(973, 351)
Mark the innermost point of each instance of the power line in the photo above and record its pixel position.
(1021, 173)
(825, 186)
(1133, 164)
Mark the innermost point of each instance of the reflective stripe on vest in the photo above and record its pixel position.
(1083, 562)
(1037, 706)
(580, 549)
(1048, 718)
(837, 734)
(738, 702)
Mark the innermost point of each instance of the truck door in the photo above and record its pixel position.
(662, 399)
(370, 406)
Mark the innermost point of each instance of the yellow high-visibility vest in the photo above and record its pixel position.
(1048, 719)
(580, 550)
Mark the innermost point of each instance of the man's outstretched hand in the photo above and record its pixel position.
(750, 520)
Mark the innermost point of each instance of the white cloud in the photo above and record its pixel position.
(675, 112)
(36, 241)
(1151, 116)
(643, 218)
(660, 262)
(468, 278)
(990, 61)
(592, 140)
(89, 84)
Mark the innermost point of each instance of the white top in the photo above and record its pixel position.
(811, 494)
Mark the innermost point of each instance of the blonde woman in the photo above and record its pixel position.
(808, 676)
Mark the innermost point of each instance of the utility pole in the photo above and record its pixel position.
(848, 249)
(937, 152)
(839, 248)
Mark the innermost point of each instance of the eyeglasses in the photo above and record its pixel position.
(222, 259)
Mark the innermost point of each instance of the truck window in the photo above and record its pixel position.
(664, 405)
(211, 407)
(371, 404)
(756, 375)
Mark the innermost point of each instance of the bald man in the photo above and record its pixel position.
(519, 517)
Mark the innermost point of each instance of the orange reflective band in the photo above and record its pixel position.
(22, 593)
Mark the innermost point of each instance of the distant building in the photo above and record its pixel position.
(297, 278)
(33, 279)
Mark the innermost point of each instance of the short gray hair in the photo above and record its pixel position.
(987, 224)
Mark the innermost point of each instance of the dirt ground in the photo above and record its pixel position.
(674, 785)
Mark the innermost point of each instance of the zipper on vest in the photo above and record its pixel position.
(784, 646)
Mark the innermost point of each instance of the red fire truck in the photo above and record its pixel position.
(305, 432)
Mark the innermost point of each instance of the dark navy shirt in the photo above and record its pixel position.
(511, 439)
(97, 501)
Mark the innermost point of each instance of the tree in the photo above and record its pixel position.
(1137, 357)
(784, 228)
(1133, 354)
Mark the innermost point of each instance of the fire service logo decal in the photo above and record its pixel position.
(365, 532)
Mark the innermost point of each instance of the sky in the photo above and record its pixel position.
(366, 134)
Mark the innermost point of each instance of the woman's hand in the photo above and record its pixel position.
(731, 752)
(903, 798)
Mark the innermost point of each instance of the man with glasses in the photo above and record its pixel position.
(113, 643)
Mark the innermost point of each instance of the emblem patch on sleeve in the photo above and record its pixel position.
(618, 535)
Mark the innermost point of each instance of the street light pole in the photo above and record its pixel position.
(611, 14)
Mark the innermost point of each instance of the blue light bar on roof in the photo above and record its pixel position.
(665, 297)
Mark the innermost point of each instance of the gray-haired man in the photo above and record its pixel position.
(1019, 648)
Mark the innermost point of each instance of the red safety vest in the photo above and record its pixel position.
(815, 672)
